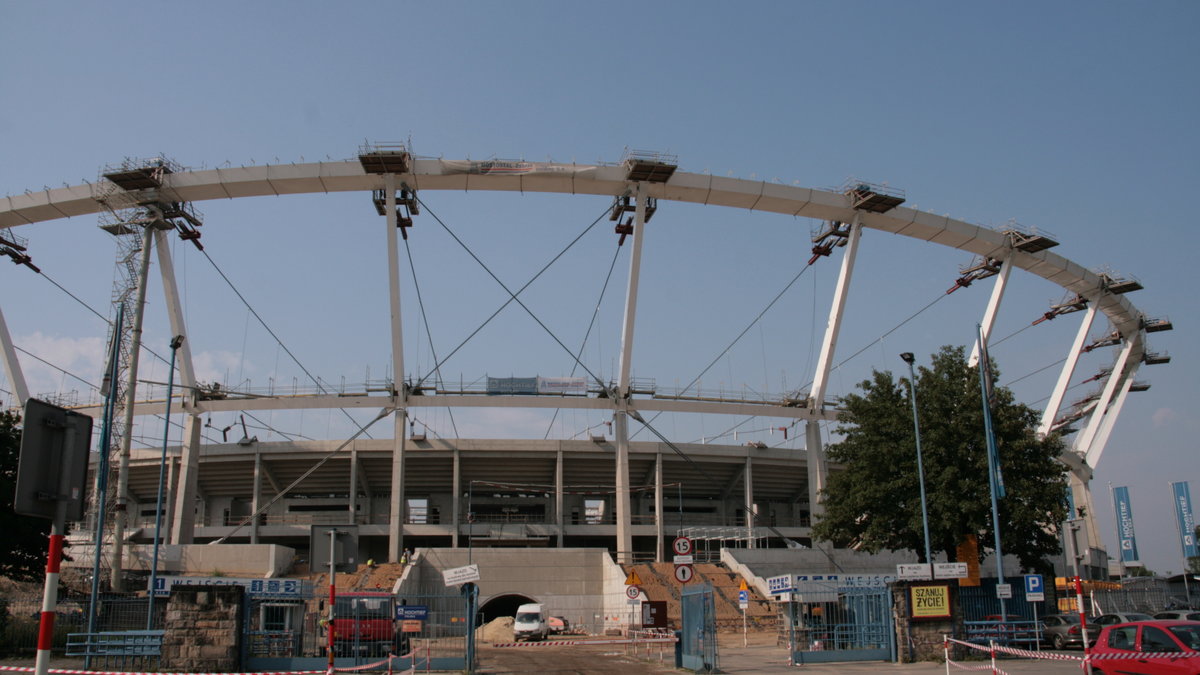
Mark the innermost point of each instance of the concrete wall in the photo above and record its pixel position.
(582, 584)
(234, 560)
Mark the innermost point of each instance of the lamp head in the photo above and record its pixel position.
(907, 357)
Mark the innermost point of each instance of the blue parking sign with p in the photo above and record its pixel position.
(1033, 583)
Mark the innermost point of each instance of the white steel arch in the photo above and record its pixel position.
(610, 180)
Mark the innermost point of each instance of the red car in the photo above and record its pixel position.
(1148, 648)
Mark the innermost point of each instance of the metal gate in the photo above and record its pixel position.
(286, 633)
(855, 627)
(698, 641)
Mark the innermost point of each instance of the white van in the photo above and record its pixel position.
(530, 623)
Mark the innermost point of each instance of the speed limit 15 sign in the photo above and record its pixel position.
(682, 546)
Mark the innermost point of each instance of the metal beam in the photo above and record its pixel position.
(1083, 443)
(1110, 418)
(624, 519)
(16, 378)
(1068, 371)
(183, 359)
(993, 307)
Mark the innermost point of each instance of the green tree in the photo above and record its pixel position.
(23, 556)
(873, 498)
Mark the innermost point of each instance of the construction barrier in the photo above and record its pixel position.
(1085, 661)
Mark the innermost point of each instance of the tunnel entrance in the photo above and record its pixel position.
(502, 605)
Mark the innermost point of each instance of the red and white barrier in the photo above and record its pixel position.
(602, 641)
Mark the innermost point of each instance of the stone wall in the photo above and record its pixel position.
(203, 629)
(921, 639)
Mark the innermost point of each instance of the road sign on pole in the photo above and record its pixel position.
(1034, 590)
(682, 546)
(683, 573)
(633, 592)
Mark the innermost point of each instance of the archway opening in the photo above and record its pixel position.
(502, 605)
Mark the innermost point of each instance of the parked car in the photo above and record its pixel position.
(558, 625)
(1179, 615)
(1153, 640)
(1065, 630)
(1121, 617)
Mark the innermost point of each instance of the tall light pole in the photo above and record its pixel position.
(912, 396)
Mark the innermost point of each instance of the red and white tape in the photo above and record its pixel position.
(70, 671)
(66, 671)
(571, 643)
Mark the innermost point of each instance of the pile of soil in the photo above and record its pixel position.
(497, 630)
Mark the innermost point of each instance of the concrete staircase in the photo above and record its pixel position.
(658, 583)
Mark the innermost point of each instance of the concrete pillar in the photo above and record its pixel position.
(659, 545)
(748, 482)
(623, 520)
(256, 497)
(456, 488)
(397, 510)
(352, 501)
(558, 496)
(183, 530)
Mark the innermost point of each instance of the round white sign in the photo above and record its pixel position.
(683, 573)
(633, 592)
(682, 545)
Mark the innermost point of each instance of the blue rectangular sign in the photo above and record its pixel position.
(411, 612)
(1127, 543)
(1187, 522)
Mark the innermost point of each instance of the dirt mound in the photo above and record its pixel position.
(497, 630)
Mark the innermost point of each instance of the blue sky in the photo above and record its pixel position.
(1073, 117)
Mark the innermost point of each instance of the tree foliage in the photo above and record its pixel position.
(23, 556)
(874, 502)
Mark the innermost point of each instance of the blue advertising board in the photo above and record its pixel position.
(1187, 521)
(412, 612)
(1128, 543)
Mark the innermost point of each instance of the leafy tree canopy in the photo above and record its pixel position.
(23, 556)
(874, 501)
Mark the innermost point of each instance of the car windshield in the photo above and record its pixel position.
(1138, 617)
(1188, 635)
(528, 617)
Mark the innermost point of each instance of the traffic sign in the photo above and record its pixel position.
(742, 586)
(743, 597)
(632, 579)
(684, 559)
(683, 573)
(913, 571)
(953, 570)
(633, 592)
(1034, 590)
(1004, 591)
(682, 546)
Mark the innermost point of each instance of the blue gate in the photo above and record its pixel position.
(698, 639)
(856, 627)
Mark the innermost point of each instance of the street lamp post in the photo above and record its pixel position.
(912, 395)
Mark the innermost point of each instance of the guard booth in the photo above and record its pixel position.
(828, 618)
(698, 637)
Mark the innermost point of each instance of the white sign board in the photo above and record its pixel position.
(780, 584)
(950, 570)
(684, 559)
(461, 575)
(1004, 591)
(914, 571)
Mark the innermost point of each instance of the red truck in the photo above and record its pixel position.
(364, 624)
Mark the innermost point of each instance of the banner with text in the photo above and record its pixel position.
(1128, 544)
(1187, 522)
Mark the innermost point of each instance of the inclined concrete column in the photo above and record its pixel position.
(659, 546)
(558, 496)
(183, 530)
(748, 482)
(256, 497)
(456, 487)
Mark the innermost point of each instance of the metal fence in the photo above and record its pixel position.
(20, 615)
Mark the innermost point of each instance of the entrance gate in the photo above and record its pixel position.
(855, 627)
(698, 639)
(286, 633)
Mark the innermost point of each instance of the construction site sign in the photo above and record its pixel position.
(632, 579)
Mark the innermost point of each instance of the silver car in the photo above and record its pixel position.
(1179, 615)
(1065, 630)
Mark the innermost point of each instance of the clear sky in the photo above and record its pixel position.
(1077, 118)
